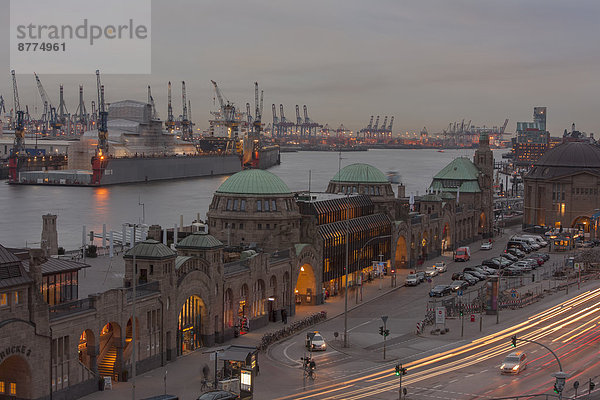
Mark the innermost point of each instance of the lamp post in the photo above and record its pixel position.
(133, 324)
(346, 286)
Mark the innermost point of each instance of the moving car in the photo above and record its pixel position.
(514, 363)
(421, 275)
(431, 272)
(462, 254)
(486, 246)
(218, 395)
(412, 280)
(441, 266)
(315, 341)
(439, 291)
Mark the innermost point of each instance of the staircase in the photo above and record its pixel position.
(106, 367)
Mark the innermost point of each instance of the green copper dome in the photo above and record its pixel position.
(360, 173)
(150, 249)
(254, 181)
(199, 240)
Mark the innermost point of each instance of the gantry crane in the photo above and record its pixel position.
(102, 147)
(81, 113)
(170, 122)
(19, 143)
(49, 109)
(152, 104)
(186, 126)
(63, 115)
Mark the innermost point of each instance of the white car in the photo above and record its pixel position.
(314, 341)
(431, 272)
(441, 266)
(486, 246)
(412, 280)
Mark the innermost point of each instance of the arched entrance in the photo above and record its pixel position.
(110, 341)
(189, 325)
(482, 223)
(401, 256)
(15, 376)
(87, 348)
(582, 223)
(306, 287)
(244, 309)
(273, 301)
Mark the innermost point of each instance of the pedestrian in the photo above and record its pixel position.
(257, 369)
(284, 315)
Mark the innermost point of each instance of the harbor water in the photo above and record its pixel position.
(22, 207)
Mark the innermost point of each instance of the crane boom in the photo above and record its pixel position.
(370, 124)
(102, 146)
(391, 124)
(384, 125)
(220, 96)
(16, 103)
(376, 124)
(504, 126)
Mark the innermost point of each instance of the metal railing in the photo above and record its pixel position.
(72, 307)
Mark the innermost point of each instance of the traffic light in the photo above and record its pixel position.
(403, 370)
(559, 385)
(386, 332)
(514, 340)
(592, 386)
(398, 369)
(381, 330)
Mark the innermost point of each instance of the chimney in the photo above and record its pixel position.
(401, 191)
(49, 235)
(36, 259)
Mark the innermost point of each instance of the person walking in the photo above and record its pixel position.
(284, 315)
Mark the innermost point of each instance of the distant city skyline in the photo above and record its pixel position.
(427, 63)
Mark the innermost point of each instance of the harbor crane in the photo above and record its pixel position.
(82, 116)
(376, 126)
(170, 122)
(258, 109)
(227, 108)
(186, 125)
(102, 147)
(276, 130)
(2, 108)
(49, 109)
(152, 104)
(503, 127)
(19, 143)
(63, 115)
(390, 125)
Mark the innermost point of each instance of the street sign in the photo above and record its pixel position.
(513, 293)
(577, 266)
(460, 292)
(384, 318)
(440, 315)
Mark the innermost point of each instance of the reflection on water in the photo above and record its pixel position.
(21, 207)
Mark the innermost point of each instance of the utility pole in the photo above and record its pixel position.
(385, 332)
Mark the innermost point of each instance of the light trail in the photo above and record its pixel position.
(473, 353)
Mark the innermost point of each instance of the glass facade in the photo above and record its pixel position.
(60, 288)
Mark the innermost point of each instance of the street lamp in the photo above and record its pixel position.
(346, 286)
(133, 324)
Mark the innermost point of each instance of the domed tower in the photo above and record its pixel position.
(484, 161)
(154, 262)
(254, 206)
(368, 180)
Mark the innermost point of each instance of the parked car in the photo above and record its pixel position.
(516, 252)
(421, 275)
(491, 263)
(510, 257)
(431, 272)
(470, 278)
(457, 285)
(490, 271)
(513, 270)
(218, 395)
(439, 291)
(440, 266)
(479, 275)
(543, 256)
(503, 261)
(538, 261)
(462, 254)
(412, 280)
(514, 363)
(523, 266)
(486, 246)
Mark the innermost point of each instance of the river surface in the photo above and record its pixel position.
(22, 207)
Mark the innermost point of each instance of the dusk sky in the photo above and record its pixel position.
(426, 62)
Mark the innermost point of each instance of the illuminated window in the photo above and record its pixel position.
(3, 299)
(16, 297)
(13, 389)
(562, 208)
(1, 386)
